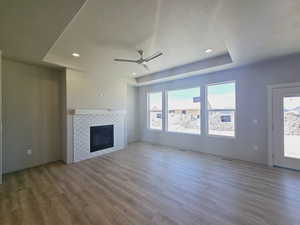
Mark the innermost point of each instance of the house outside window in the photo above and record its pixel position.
(221, 108)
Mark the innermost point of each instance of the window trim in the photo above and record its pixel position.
(166, 106)
(148, 110)
(216, 110)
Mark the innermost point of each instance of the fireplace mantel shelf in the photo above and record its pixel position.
(97, 112)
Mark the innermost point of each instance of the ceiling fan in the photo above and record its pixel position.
(141, 61)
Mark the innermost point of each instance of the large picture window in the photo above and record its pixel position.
(221, 109)
(184, 110)
(155, 110)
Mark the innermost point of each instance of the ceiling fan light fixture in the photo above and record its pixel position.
(141, 61)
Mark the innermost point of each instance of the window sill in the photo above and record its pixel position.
(221, 136)
(177, 132)
(155, 130)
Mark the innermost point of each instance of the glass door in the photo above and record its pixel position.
(286, 127)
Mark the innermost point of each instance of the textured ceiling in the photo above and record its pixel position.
(28, 28)
(107, 29)
(260, 29)
(249, 31)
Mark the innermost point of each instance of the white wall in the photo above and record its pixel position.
(91, 91)
(133, 133)
(251, 94)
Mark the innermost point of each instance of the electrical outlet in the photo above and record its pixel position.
(29, 151)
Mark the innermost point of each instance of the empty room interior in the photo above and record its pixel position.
(150, 112)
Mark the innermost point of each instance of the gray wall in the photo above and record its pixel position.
(0, 117)
(31, 115)
(251, 91)
(133, 133)
(63, 101)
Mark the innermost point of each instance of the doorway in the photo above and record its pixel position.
(285, 127)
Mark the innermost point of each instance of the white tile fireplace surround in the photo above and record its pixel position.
(84, 119)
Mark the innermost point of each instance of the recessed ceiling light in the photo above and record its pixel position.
(134, 74)
(209, 50)
(75, 54)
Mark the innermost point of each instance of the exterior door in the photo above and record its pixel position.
(286, 127)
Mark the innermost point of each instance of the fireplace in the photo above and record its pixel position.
(101, 137)
(88, 140)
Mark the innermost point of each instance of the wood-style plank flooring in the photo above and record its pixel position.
(145, 185)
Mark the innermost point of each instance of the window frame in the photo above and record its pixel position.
(166, 106)
(148, 110)
(222, 110)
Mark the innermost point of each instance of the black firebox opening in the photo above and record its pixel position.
(101, 137)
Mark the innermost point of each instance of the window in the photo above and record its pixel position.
(291, 112)
(155, 110)
(221, 109)
(184, 110)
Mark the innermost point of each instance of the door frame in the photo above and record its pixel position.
(270, 89)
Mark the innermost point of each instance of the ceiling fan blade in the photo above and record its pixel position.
(146, 67)
(125, 60)
(153, 56)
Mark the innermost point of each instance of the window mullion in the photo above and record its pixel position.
(203, 109)
(164, 111)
